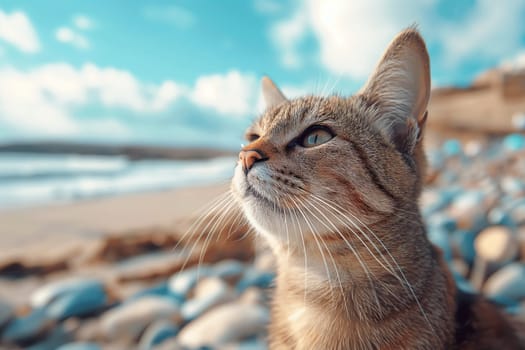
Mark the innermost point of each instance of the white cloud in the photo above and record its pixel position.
(82, 22)
(353, 34)
(172, 14)
(516, 63)
(46, 100)
(287, 34)
(70, 36)
(17, 30)
(232, 93)
(489, 31)
(268, 6)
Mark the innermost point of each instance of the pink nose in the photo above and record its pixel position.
(248, 159)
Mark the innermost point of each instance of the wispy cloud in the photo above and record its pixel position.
(83, 22)
(75, 35)
(17, 30)
(288, 34)
(70, 36)
(351, 35)
(172, 14)
(233, 93)
(53, 100)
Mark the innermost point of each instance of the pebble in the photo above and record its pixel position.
(156, 333)
(49, 292)
(183, 282)
(171, 344)
(452, 148)
(466, 209)
(255, 278)
(82, 302)
(80, 346)
(440, 238)
(463, 241)
(514, 142)
(209, 292)
(57, 337)
(160, 289)
(128, 320)
(6, 313)
(225, 324)
(508, 282)
(496, 244)
(27, 328)
(228, 269)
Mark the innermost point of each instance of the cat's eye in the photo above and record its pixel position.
(252, 137)
(316, 136)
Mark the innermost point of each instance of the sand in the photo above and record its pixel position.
(52, 230)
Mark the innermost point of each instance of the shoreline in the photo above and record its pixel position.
(42, 230)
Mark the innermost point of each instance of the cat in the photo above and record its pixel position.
(332, 184)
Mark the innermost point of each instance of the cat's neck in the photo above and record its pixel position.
(377, 277)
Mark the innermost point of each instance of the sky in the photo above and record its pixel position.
(187, 72)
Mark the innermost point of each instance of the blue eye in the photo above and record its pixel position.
(316, 137)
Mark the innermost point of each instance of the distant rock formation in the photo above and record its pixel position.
(493, 104)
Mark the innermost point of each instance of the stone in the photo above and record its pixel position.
(265, 261)
(463, 241)
(128, 320)
(6, 313)
(228, 269)
(84, 301)
(468, 210)
(452, 148)
(80, 346)
(160, 289)
(253, 295)
(157, 333)
(517, 213)
(440, 238)
(496, 244)
(183, 282)
(250, 344)
(170, 344)
(508, 282)
(225, 324)
(57, 337)
(209, 292)
(514, 142)
(27, 328)
(255, 278)
(49, 292)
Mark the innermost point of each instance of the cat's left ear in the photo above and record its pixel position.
(271, 93)
(400, 86)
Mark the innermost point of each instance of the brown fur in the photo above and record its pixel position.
(355, 268)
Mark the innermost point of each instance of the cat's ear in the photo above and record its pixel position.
(271, 93)
(400, 86)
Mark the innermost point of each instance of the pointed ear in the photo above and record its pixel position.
(271, 93)
(400, 86)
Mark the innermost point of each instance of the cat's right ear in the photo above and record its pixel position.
(271, 93)
(400, 89)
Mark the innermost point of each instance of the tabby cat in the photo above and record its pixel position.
(332, 184)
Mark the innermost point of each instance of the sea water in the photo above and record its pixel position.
(31, 179)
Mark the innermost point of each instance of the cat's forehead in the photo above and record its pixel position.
(297, 114)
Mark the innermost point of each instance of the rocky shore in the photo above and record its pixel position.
(152, 289)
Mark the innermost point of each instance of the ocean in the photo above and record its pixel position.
(28, 179)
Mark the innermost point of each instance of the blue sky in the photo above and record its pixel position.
(187, 72)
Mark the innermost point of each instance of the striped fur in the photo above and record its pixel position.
(355, 268)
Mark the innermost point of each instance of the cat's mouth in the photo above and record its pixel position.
(254, 193)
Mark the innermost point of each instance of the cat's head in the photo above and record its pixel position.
(313, 158)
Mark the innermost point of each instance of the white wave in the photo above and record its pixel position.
(133, 176)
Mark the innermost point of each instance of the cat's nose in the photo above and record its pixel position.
(249, 157)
